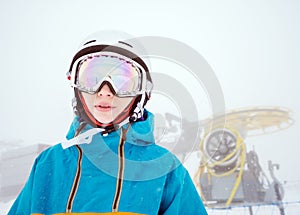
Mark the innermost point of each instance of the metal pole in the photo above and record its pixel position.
(250, 210)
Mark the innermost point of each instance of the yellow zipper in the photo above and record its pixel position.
(121, 168)
(76, 181)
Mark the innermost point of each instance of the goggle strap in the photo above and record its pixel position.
(107, 48)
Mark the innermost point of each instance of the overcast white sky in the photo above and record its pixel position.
(252, 46)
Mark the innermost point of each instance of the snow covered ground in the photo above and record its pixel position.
(291, 206)
(290, 209)
(4, 207)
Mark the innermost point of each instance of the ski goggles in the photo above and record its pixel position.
(126, 77)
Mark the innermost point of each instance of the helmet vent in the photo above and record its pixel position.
(125, 43)
(91, 41)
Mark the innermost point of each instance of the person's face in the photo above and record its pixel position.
(104, 105)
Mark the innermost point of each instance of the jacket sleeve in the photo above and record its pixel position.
(22, 204)
(180, 196)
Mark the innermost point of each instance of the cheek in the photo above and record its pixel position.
(122, 103)
(88, 100)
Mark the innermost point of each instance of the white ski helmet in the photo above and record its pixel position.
(112, 45)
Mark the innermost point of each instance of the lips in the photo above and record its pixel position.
(104, 107)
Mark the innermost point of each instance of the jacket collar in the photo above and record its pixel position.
(140, 132)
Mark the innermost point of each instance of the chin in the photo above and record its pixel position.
(105, 120)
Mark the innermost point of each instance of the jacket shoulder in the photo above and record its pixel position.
(54, 153)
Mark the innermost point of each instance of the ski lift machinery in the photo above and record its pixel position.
(228, 175)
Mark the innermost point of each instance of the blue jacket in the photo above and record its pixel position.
(109, 175)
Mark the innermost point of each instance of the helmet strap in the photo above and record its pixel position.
(138, 112)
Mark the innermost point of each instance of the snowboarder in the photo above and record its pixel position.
(110, 162)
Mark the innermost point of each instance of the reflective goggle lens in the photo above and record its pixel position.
(123, 75)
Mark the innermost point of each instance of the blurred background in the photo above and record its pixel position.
(252, 47)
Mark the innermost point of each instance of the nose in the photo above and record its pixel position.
(105, 91)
